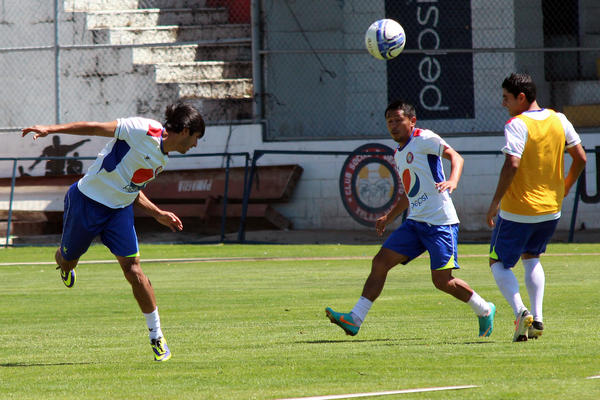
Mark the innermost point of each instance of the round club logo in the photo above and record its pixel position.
(369, 183)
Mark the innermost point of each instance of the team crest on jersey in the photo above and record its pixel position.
(409, 157)
(369, 183)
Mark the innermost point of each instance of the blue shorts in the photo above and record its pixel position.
(84, 219)
(511, 239)
(412, 238)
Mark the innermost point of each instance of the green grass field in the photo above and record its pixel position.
(256, 329)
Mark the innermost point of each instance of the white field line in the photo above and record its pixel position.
(198, 259)
(593, 377)
(252, 259)
(372, 394)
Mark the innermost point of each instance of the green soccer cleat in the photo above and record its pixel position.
(486, 324)
(160, 349)
(68, 278)
(344, 321)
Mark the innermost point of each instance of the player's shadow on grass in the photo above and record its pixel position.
(22, 364)
(344, 341)
(471, 342)
(390, 342)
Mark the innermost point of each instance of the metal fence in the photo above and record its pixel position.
(14, 161)
(320, 83)
(298, 66)
(65, 60)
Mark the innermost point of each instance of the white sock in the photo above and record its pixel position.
(360, 310)
(509, 287)
(153, 322)
(535, 280)
(479, 305)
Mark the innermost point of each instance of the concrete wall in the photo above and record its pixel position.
(316, 202)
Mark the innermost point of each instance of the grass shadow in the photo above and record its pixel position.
(469, 342)
(23, 364)
(395, 341)
(344, 341)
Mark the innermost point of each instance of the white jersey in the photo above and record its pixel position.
(419, 164)
(126, 164)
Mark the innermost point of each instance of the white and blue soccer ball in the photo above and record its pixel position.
(385, 39)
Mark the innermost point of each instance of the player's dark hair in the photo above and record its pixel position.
(180, 116)
(407, 108)
(520, 83)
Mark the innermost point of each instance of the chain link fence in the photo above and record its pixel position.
(66, 60)
(320, 83)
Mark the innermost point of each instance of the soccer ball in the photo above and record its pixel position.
(385, 39)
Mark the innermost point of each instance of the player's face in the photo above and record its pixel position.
(399, 125)
(512, 103)
(188, 141)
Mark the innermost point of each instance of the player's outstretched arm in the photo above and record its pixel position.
(166, 218)
(85, 128)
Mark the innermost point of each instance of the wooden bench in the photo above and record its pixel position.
(200, 193)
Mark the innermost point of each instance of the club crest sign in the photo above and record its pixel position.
(369, 183)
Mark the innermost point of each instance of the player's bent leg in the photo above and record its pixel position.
(385, 260)
(485, 311)
(67, 269)
(144, 295)
(444, 281)
(140, 284)
(382, 263)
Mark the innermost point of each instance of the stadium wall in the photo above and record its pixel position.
(317, 200)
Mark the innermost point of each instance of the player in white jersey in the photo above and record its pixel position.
(101, 203)
(432, 224)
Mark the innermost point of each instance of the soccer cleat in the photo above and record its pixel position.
(522, 325)
(68, 278)
(160, 349)
(535, 330)
(344, 321)
(486, 324)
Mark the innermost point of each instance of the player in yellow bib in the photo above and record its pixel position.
(529, 196)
